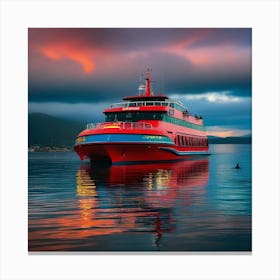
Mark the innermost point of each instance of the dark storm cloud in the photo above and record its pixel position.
(121, 39)
(171, 73)
(235, 36)
(124, 39)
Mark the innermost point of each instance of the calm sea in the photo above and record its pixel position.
(201, 204)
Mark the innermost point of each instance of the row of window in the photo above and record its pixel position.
(185, 140)
(133, 116)
(155, 103)
(141, 115)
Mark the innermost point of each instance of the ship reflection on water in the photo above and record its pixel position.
(120, 208)
(137, 198)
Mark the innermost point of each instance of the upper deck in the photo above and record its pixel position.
(149, 103)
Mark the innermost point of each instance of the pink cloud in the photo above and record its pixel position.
(228, 133)
(223, 53)
(68, 50)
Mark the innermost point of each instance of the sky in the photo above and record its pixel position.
(76, 72)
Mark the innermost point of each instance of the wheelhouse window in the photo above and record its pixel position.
(133, 116)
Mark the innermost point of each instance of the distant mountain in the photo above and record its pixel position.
(247, 136)
(230, 140)
(46, 130)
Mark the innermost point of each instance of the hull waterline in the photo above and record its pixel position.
(133, 153)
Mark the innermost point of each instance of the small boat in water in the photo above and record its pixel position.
(144, 128)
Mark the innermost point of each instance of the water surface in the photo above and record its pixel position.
(201, 204)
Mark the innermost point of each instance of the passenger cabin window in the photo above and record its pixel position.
(191, 141)
(171, 112)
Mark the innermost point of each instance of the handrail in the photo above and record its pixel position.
(120, 125)
(147, 103)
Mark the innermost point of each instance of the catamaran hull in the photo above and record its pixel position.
(132, 153)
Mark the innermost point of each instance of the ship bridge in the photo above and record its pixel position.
(152, 104)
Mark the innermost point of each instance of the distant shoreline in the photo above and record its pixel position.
(231, 140)
(50, 149)
(38, 148)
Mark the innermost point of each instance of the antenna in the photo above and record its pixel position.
(163, 83)
(148, 82)
(141, 88)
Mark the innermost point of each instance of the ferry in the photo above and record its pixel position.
(144, 128)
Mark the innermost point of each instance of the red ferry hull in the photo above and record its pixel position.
(124, 153)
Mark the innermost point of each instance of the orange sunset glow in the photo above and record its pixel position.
(70, 51)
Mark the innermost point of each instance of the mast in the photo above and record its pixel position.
(148, 84)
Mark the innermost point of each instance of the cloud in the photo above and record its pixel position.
(190, 60)
(89, 112)
(58, 51)
(223, 131)
(217, 55)
(236, 115)
(221, 97)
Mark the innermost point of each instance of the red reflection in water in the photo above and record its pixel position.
(150, 209)
(163, 181)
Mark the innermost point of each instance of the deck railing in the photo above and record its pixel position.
(172, 104)
(120, 125)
